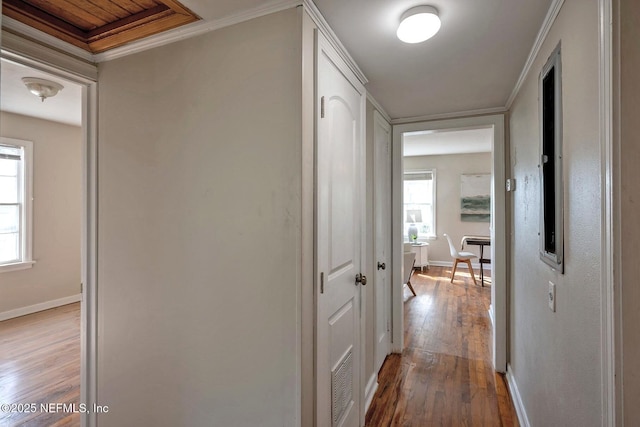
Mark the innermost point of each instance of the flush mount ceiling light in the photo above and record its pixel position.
(42, 88)
(418, 24)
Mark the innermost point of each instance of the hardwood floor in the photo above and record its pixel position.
(40, 364)
(444, 376)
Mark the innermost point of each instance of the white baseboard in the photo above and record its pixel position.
(23, 311)
(517, 400)
(460, 265)
(370, 391)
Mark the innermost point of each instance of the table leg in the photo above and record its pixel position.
(481, 269)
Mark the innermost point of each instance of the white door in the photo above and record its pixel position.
(382, 237)
(339, 180)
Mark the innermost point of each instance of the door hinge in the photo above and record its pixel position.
(81, 288)
(388, 326)
(322, 107)
(322, 283)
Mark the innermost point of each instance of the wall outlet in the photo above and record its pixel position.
(552, 296)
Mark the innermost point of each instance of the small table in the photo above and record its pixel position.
(481, 241)
(422, 255)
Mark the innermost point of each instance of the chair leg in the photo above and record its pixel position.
(473, 276)
(411, 287)
(453, 273)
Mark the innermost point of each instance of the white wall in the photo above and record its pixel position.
(449, 168)
(57, 176)
(200, 229)
(555, 357)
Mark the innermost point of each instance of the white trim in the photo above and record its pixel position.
(490, 311)
(607, 295)
(552, 14)
(25, 181)
(343, 66)
(180, 33)
(555, 259)
(19, 49)
(86, 75)
(379, 108)
(442, 264)
(363, 228)
(370, 391)
(32, 33)
(434, 202)
(381, 126)
(333, 40)
(397, 243)
(17, 266)
(306, 325)
(475, 265)
(194, 29)
(30, 309)
(446, 116)
(517, 399)
(89, 349)
(499, 221)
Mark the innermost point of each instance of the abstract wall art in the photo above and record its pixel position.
(475, 197)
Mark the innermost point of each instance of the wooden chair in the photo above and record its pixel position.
(409, 262)
(461, 257)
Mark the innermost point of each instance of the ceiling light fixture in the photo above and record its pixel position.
(42, 88)
(418, 24)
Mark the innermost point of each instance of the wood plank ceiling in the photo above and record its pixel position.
(99, 25)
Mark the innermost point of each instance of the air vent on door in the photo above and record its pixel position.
(342, 386)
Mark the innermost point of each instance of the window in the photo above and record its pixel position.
(551, 215)
(419, 204)
(15, 204)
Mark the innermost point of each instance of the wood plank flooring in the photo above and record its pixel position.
(444, 377)
(40, 363)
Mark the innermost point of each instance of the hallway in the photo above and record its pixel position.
(444, 376)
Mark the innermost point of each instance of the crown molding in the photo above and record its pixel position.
(443, 116)
(195, 29)
(10, 25)
(323, 26)
(187, 31)
(549, 20)
(378, 107)
(32, 53)
(180, 33)
(552, 14)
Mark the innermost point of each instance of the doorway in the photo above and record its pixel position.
(498, 309)
(79, 78)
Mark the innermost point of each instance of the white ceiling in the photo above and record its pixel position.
(473, 63)
(65, 107)
(433, 143)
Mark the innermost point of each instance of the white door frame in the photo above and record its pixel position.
(498, 311)
(380, 125)
(610, 239)
(22, 51)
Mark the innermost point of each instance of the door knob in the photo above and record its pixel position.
(382, 266)
(361, 278)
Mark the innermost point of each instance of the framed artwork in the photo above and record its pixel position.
(475, 197)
